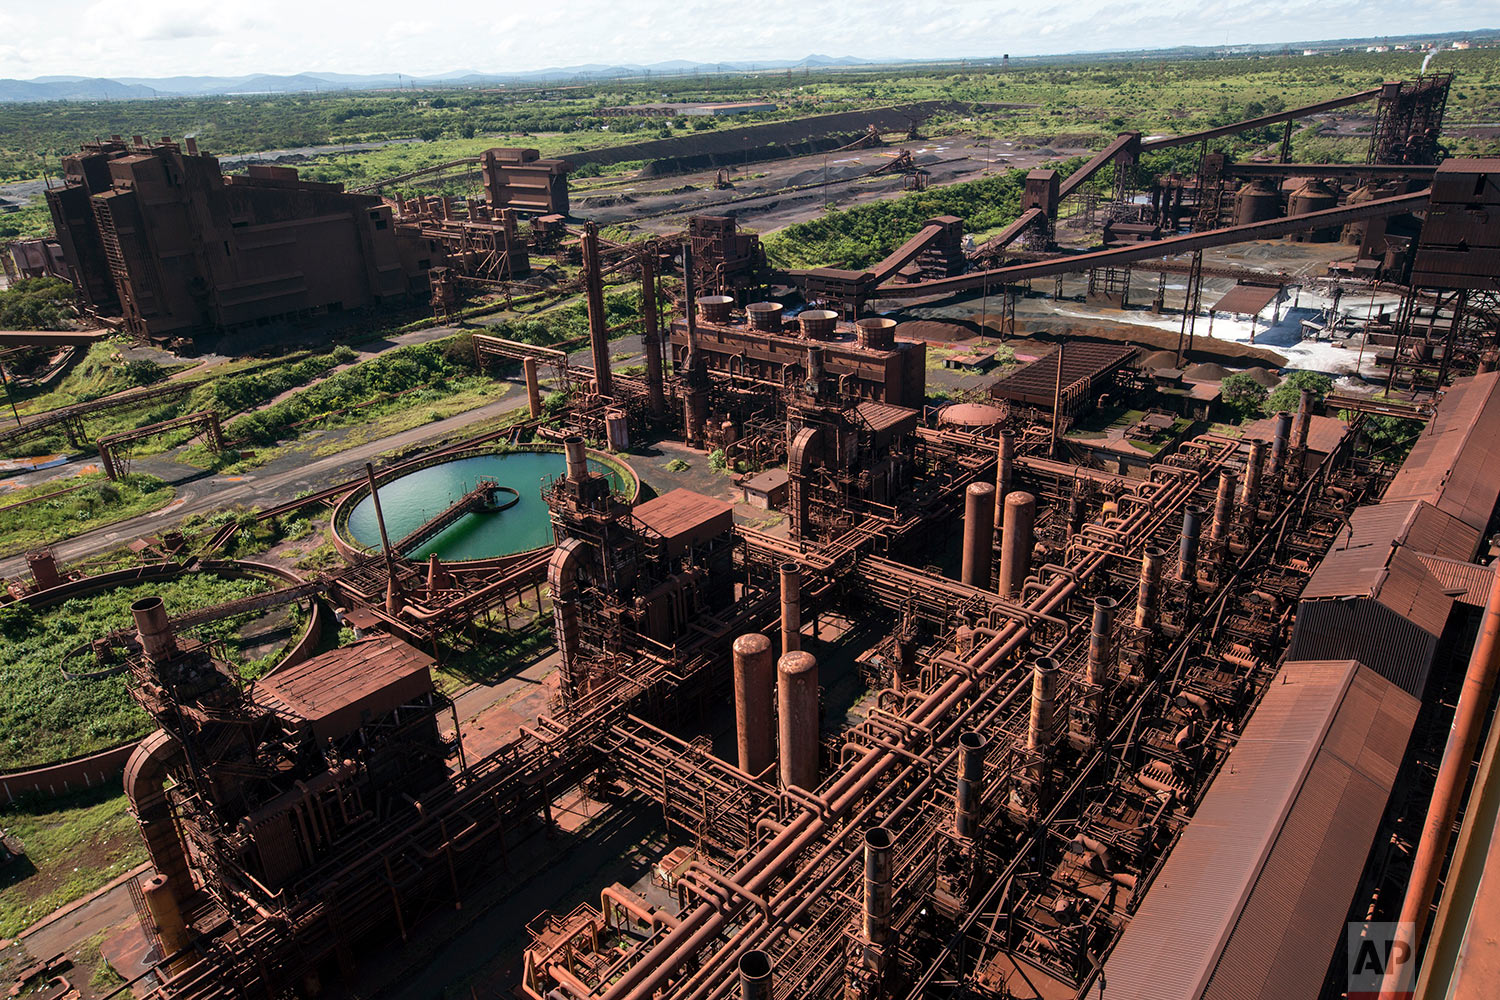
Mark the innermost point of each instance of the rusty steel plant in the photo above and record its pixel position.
(1159, 731)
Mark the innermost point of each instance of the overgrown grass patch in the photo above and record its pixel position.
(73, 845)
(45, 717)
(91, 502)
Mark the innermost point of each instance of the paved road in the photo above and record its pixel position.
(213, 492)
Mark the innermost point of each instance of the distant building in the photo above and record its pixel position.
(162, 238)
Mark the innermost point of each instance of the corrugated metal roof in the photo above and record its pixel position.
(1414, 523)
(334, 690)
(1466, 582)
(1415, 594)
(1251, 902)
(684, 517)
(1368, 631)
(1452, 465)
(1323, 433)
(1083, 365)
(1246, 300)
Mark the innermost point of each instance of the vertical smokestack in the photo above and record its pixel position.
(1187, 549)
(1304, 423)
(791, 607)
(651, 334)
(979, 532)
(577, 457)
(1075, 512)
(1004, 473)
(1015, 543)
(755, 975)
(154, 629)
(166, 914)
(1223, 514)
(598, 325)
(906, 661)
(1039, 731)
(878, 844)
(1279, 445)
(1255, 467)
(1148, 596)
(754, 698)
(533, 387)
(689, 286)
(1101, 655)
(797, 710)
(970, 783)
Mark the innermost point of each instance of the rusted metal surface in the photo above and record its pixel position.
(1085, 368)
(682, 517)
(331, 692)
(1246, 300)
(1251, 902)
(1451, 464)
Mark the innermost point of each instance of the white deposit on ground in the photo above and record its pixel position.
(1334, 357)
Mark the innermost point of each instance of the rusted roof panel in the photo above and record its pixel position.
(1084, 364)
(1246, 300)
(1250, 904)
(1416, 524)
(1365, 630)
(1324, 434)
(887, 418)
(1465, 582)
(335, 692)
(1452, 464)
(684, 518)
(1415, 594)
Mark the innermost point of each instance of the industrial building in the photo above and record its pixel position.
(159, 236)
(978, 718)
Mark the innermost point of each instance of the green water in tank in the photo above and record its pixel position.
(407, 503)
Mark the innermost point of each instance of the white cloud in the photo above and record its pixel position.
(172, 37)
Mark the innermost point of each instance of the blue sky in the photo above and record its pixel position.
(151, 38)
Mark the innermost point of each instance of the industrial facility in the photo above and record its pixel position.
(990, 713)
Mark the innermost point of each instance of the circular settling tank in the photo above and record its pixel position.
(411, 500)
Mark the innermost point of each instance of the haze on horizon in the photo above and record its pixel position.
(162, 38)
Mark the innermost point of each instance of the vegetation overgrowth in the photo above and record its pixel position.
(90, 501)
(46, 717)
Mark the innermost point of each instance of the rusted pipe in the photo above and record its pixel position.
(593, 282)
(979, 517)
(1148, 594)
(1223, 514)
(970, 784)
(755, 975)
(791, 607)
(1187, 549)
(651, 333)
(1279, 445)
(877, 923)
(754, 698)
(1452, 778)
(154, 629)
(533, 387)
(1254, 469)
(1304, 422)
(577, 458)
(1101, 656)
(1005, 463)
(797, 712)
(1040, 729)
(1016, 542)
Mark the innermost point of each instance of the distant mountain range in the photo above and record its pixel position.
(79, 88)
